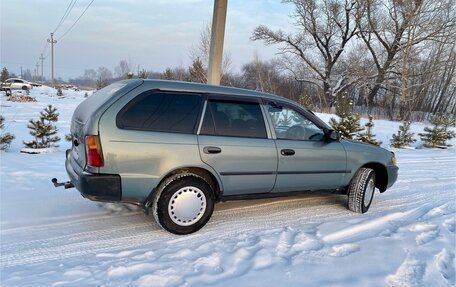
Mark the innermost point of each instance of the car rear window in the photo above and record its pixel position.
(161, 111)
(238, 119)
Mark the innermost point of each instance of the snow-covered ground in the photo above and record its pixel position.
(54, 237)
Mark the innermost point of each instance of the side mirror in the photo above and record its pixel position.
(332, 135)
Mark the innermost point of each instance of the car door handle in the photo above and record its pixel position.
(287, 152)
(212, 149)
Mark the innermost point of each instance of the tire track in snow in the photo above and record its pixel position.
(132, 235)
(120, 232)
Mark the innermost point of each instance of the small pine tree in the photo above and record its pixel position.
(348, 125)
(43, 129)
(5, 138)
(143, 74)
(4, 75)
(59, 92)
(168, 74)
(86, 95)
(404, 137)
(196, 71)
(129, 75)
(367, 136)
(440, 132)
(101, 83)
(50, 114)
(305, 101)
(286, 119)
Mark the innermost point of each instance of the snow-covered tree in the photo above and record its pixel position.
(59, 92)
(403, 137)
(43, 129)
(348, 124)
(438, 135)
(50, 114)
(286, 119)
(5, 138)
(367, 136)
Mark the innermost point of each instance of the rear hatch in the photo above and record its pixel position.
(87, 114)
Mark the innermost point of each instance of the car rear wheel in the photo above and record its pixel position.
(361, 190)
(183, 204)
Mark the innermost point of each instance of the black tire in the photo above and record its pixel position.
(357, 190)
(25, 88)
(168, 190)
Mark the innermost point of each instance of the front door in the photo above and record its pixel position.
(234, 141)
(306, 160)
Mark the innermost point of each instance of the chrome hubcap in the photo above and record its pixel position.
(369, 192)
(187, 206)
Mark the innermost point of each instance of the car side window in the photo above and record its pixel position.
(291, 125)
(237, 119)
(161, 111)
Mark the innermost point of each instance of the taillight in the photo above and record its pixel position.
(93, 151)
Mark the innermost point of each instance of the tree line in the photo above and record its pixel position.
(393, 59)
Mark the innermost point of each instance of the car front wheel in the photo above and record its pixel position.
(183, 204)
(361, 190)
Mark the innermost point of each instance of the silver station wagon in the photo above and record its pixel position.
(179, 148)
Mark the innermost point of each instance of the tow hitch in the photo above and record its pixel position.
(66, 185)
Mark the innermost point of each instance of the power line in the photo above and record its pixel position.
(83, 12)
(44, 48)
(65, 15)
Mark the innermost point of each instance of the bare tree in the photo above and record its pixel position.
(104, 76)
(122, 70)
(390, 29)
(200, 52)
(325, 28)
(260, 75)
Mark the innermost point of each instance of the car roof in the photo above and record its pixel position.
(205, 88)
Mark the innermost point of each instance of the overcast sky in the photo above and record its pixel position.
(154, 34)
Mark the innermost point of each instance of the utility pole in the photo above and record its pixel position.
(36, 70)
(52, 41)
(42, 59)
(21, 72)
(217, 38)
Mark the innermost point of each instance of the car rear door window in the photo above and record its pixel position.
(237, 119)
(161, 111)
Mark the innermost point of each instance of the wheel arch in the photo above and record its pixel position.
(381, 174)
(208, 176)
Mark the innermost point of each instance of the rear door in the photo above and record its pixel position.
(234, 141)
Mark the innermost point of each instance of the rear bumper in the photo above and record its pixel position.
(392, 175)
(95, 186)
